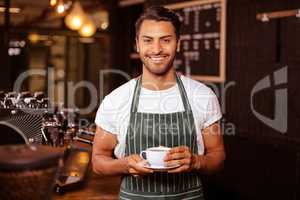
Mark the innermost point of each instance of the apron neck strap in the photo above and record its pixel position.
(137, 91)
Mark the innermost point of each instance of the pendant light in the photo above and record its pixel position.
(88, 28)
(53, 2)
(60, 8)
(75, 19)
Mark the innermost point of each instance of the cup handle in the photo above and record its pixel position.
(142, 155)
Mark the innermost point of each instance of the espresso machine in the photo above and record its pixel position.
(30, 118)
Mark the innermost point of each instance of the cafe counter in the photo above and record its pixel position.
(94, 188)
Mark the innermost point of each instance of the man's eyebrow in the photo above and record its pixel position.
(162, 37)
(166, 36)
(148, 37)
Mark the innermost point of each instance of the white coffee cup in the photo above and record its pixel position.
(155, 155)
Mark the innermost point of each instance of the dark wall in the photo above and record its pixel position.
(11, 66)
(261, 163)
(254, 51)
(122, 34)
(5, 74)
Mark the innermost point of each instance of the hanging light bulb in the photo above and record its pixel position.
(60, 7)
(88, 28)
(104, 25)
(53, 2)
(76, 17)
(33, 37)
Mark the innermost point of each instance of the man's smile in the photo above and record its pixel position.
(157, 58)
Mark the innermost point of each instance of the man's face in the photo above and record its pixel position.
(156, 44)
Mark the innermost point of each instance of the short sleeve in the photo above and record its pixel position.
(213, 111)
(106, 118)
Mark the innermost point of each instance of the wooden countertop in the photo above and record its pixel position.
(95, 188)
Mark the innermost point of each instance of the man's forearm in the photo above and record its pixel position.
(109, 167)
(208, 163)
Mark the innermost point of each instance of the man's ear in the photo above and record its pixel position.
(178, 46)
(137, 45)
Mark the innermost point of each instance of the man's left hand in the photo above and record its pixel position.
(181, 156)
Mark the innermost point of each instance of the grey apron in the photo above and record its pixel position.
(150, 130)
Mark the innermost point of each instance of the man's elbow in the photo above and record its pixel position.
(220, 165)
(223, 156)
(217, 164)
(97, 167)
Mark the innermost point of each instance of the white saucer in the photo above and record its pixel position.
(156, 167)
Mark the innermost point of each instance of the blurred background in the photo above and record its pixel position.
(247, 51)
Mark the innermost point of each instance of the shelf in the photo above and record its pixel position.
(265, 17)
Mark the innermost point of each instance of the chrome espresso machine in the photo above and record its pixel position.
(30, 118)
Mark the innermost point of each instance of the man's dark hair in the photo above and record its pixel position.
(159, 13)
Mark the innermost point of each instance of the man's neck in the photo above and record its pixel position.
(158, 82)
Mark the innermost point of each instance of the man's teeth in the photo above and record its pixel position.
(157, 58)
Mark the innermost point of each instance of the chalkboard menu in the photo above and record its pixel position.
(202, 47)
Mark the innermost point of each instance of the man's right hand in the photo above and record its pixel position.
(135, 167)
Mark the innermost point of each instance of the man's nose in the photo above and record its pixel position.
(156, 48)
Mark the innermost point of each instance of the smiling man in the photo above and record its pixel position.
(159, 108)
(156, 44)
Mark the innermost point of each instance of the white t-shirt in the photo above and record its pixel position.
(114, 111)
